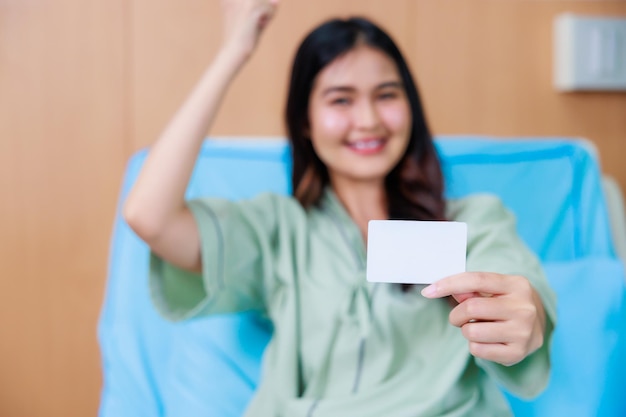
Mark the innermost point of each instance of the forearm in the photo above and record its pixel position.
(159, 191)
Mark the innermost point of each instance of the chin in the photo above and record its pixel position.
(368, 175)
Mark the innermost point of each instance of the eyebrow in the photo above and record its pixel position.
(348, 89)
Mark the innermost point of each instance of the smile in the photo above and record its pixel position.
(367, 146)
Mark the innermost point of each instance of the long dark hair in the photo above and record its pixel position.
(415, 185)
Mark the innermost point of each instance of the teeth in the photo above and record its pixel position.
(365, 145)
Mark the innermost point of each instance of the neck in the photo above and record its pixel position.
(363, 201)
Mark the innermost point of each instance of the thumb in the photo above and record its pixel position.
(268, 14)
(465, 296)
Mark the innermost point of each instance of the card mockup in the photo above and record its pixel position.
(415, 252)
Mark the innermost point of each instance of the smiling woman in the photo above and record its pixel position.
(361, 151)
(359, 124)
(375, 113)
(360, 121)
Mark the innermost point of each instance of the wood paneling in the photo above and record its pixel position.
(62, 149)
(84, 83)
(485, 67)
(174, 41)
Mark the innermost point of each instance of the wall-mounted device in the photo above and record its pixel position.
(589, 53)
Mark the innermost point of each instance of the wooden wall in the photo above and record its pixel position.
(63, 143)
(85, 83)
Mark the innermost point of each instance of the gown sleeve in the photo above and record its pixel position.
(237, 248)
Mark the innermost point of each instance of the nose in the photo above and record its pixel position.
(366, 115)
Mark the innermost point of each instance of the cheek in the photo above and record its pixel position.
(329, 123)
(396, 117)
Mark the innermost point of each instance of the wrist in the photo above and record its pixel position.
(234, 57)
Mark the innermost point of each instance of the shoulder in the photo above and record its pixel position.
(489, 221)
(262, 201)
(268, 208)
(272, 203)
(480, 208)
(493, 242)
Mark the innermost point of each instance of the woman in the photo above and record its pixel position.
(361, 151)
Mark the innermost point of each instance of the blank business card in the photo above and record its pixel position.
(415, 252)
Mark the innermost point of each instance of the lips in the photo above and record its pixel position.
(367, 146)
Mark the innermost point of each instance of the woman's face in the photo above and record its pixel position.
(359, 116)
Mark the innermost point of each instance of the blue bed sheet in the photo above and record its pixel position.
(210, 367)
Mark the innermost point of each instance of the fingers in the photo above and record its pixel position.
(243, 22)
(464, 296)
(496, 342)
(501, 316)
(494, 332)
(268, 13)
(480, 309)
(501, 353)
(475, 282)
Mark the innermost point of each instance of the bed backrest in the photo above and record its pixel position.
(210, 367)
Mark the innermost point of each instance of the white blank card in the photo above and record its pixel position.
(415, 252)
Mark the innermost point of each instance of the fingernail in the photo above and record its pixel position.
(429, 291)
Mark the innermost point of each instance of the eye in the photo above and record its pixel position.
(340, 101)
(388, 95)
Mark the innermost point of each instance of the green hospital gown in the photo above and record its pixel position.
(343, 346)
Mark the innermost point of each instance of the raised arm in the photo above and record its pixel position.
(155, 208)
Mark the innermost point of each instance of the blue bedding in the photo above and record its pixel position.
(210, 366)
